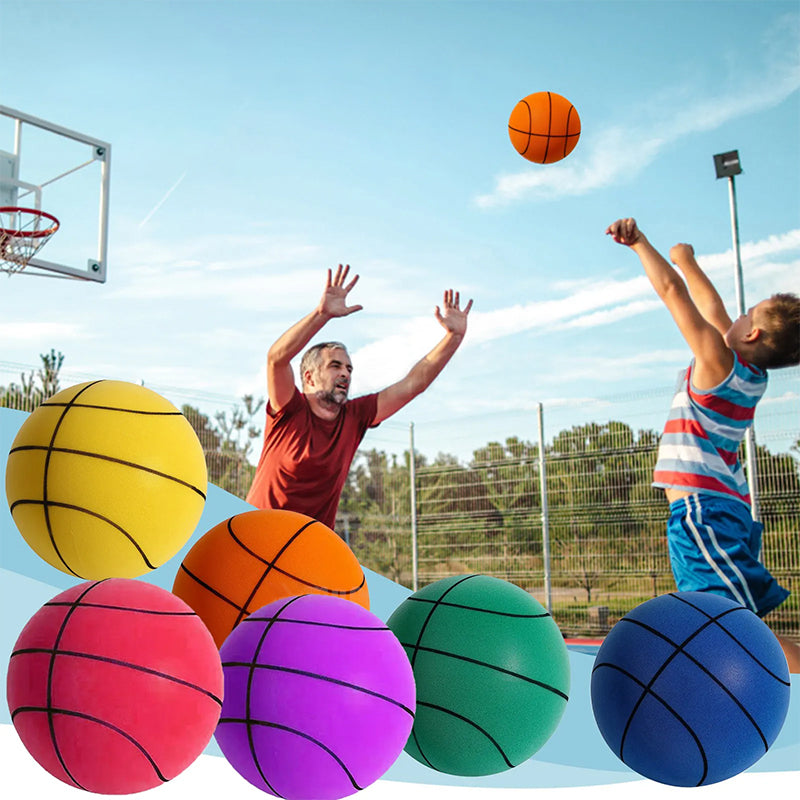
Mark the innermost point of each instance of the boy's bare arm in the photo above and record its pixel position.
(713, 358)
(703, 292)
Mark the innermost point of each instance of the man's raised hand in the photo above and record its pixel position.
(452, 318)
(334, 298)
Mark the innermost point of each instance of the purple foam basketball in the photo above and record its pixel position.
(319, 698)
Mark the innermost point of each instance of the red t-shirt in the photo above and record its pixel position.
(305, 459)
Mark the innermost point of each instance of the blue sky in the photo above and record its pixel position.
(257, 143)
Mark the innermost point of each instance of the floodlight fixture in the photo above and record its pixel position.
(727, 164)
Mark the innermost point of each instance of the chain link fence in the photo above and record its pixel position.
(601, 528)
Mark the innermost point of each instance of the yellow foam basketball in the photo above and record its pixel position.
(106, 479)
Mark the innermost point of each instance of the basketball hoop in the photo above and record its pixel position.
(23, 231)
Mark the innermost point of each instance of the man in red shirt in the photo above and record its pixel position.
(311, 437)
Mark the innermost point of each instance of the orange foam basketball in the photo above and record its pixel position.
(256, 557)
(544, 127)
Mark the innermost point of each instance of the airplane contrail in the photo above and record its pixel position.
(162, 201)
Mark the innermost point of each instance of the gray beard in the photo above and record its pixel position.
(336, 397)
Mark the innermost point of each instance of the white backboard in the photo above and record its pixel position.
(64, 173)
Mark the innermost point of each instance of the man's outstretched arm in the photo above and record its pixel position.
(454, 321)
(280, 380)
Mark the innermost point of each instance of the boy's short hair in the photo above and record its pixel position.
(780, 342)
(312, 358)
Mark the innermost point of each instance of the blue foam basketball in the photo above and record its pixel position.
(690, 688)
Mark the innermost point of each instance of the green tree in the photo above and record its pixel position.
(226, 442)
(779, 509)
(458, 525)
(375, 512)
(36, 387)
(238, 432)
(510, 473)
(593, 472)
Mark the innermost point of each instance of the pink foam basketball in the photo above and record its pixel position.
(115, 686)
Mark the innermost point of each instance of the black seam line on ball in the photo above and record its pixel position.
(419, 747)
(273, 564)
(45, 474)
(99, 721)
(209, 588)
(110, 607)
(249, 692)
(270, 565)
(303, 735)
(649, 691)
(99, 407)
(549, 126)
(567, 138)
(317, 676)
(435, 605)
(530, 125)
(112, 460)
(533, 135)
(51, 504)
(728, 633)
(119, 663)
(680, 649)
(503, 670)
(470, 722)
(51, 668)
(543, 615)
(413, 656)
(254, 617)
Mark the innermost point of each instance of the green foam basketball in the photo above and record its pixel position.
(491, 670)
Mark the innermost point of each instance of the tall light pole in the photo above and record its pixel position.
(727, 166)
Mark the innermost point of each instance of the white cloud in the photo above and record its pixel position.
(607, 155)
(753, 252)
(596, 370)
(386, 360)
(602, 160)
(241, 271)
(585, 304)
(611, 315)
(446, 403)
(38, 332)
(786, 397)
(275, 275)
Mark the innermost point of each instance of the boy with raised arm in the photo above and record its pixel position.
(311, 436)
(714, 543)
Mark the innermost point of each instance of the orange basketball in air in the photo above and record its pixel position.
(544, 127)
(256, 557)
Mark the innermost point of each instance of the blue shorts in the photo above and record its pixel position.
(714, 546)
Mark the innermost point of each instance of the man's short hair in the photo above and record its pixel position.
(780, 319)
(312, 358)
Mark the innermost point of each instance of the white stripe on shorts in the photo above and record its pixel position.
(699, 541)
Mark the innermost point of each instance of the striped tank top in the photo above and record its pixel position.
(699, 447)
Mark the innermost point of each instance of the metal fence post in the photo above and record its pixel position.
(548, 591)
(346, 522)
(412, 473)
(728, 165)
(750, 434)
